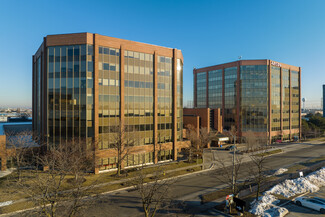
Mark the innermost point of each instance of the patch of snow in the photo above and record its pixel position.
(310, 183)
(7, 203)
(266, 206)
(280, 171)
(290, 188)
(6, 172)
(276, 211)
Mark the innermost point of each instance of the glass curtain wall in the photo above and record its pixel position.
(275, 99)
(215, 88)
(38, 89)
(138, 69)
(253, 98)
(165, 99)
(201, 87)
(230, 97)
(138, 83)
(109, 95)
(70, 92)
(285, 99)
(295, 99)
(179, 100)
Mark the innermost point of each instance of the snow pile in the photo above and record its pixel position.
(266, 206)
(290, 188)
(317, 178)
(276, 211)
(7, 203)
(280, 171)
(301, 185)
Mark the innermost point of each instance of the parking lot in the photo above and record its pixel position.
(296, 210)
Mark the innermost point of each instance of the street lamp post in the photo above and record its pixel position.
(233, 165)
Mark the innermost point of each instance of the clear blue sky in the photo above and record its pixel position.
(207, 32)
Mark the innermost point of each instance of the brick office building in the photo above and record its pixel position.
(85, 85)
(210, 119)
(262, 96)
(207, 118)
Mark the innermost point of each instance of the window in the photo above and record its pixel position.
(106, 66)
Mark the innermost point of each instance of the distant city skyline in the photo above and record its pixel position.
(207, 32)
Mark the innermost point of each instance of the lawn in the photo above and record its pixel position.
(11, 190)
(10, 194)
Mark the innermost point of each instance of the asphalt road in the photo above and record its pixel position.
(187, 189)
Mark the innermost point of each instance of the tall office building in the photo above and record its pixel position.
(87, 85)
(262, 96)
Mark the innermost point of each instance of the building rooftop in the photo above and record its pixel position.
(20, 126)
(243, 62)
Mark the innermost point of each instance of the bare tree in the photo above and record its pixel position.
(206, 136)
(121, 141)
(20, 145)
(193, 135)
(154, 194)
(61, 185)
(227, 173)
(231, 133)
(252, 142)
(199, 139)
(257, 171)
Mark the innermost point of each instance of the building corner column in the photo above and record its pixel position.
(207, 90)
(290, 104)
(122, 99)
(174, 104)
(96, 102)
(269, 102)
(155, 106)
(300, 102)
(223, 97)
(281, 104)
(195, 88)
(238, 102)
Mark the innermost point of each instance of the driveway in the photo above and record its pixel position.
(299, 211)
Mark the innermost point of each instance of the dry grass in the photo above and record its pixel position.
(14, 195)
(269, 153)
(16, 207)
(216, 195)
(11, 190)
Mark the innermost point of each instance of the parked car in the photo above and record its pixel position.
(231, 147)
(312, 203)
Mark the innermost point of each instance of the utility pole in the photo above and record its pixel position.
(233, 166)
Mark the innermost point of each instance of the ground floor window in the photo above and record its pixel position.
(276, 138)
(138, 159)
(165, 155)
(108, 163)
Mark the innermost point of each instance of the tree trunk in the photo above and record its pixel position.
(258, 190)
(118, 169)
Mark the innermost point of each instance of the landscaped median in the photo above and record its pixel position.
(267, 153)
(102, 183)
